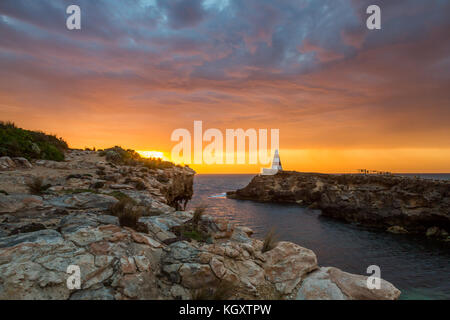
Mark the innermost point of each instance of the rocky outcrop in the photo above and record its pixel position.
(162, 190)
(397, 203)
(120, 263)
(70, 225)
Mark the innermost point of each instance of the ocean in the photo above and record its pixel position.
(418, 266)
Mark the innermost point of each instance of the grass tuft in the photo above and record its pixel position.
(195, 235)
(198, 214)
(128, 213)
(37, 186)
(140, 186)
(270, 241)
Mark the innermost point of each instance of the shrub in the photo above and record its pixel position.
(270, 241)
(198, 213)
(128, 213)
(17, 142)
(140, 186)
(118, 155)
(195, 235)
(129, 217)
(156, 163)
(98, 184)
(193, 229)
(120, 206)
(36, 186)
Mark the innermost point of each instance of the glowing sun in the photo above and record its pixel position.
(152, 154)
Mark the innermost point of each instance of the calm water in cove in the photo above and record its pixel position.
(417, 266)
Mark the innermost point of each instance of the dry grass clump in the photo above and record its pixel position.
(198, 213)
(139, 185)
(37, 186)
(270, 241)
(223, 291)
(128, 213)
(193, 229)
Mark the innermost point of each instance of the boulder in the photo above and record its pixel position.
(286, 265)
(334, 284)
(318, 286)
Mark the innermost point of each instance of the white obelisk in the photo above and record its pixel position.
(276, 166)
(276, 163)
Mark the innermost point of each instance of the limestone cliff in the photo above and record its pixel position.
(400, 203)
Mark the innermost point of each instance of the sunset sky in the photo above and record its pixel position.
(344, 97)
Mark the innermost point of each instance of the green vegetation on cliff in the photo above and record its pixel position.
(121, 156)
(17, 142)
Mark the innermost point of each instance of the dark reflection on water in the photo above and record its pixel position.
(417, 266)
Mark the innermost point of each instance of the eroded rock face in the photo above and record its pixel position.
(180, 183)
(379, 201)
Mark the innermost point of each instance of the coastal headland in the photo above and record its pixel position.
(396, 203)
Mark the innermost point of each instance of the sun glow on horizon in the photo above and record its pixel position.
(152, 154)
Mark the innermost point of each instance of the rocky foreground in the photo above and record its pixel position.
(71, 224)
(398, 204)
